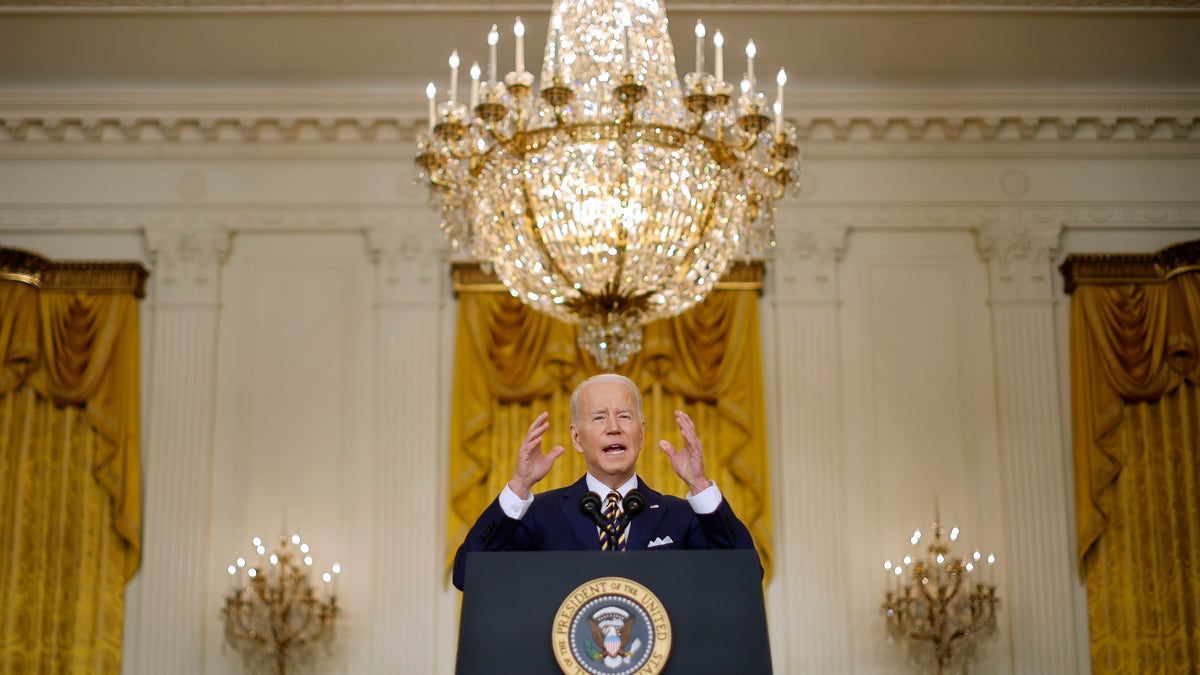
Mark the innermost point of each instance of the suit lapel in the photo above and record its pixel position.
(583, 528)
(643, 526)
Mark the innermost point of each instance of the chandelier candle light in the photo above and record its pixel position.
(617, 196)
(272, 615)
(941, 606)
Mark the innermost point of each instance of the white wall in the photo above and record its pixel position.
(298, 356)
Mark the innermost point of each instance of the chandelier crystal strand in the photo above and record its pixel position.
(612, 196)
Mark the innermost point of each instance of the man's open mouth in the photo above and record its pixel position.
(614, 449)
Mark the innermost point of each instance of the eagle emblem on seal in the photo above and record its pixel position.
(612, 629)
(611, 626)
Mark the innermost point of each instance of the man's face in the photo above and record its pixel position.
(609, 432)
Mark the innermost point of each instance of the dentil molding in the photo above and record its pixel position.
(916, 126)
(468, 5)
(320, 123)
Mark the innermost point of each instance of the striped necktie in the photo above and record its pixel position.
(612, 520)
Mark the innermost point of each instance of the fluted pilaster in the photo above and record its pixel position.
(813, 633)
(171, 603)
(1037, 596)
(409, 466)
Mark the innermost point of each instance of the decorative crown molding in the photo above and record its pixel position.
(273, 130)
(1130, 268)
(481, 5)
(73, 275)
(373, 123)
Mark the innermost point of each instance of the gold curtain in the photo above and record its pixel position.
(1136, 425)
(70, 477)
(511, 363)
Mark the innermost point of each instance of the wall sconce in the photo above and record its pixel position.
(941, 606)
(273, 615)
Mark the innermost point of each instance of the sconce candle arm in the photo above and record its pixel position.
(946, 617)
(275, 621)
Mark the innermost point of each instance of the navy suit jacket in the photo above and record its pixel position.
(555, 523)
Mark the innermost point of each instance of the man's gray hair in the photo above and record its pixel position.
(605, 377)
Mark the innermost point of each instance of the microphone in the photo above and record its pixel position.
(635, 503)
(590, 506)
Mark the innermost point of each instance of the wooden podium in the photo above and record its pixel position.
(712, 599)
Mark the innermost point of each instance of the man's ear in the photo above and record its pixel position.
(575, 439)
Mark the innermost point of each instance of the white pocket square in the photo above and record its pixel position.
(660, 541)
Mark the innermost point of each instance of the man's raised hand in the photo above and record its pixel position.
(532, 465)
(687, 461)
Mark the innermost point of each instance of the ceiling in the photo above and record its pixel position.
(397, 47)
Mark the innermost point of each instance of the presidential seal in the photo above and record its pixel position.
(611, 626)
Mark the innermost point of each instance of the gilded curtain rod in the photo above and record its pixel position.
(104, 276)
(1130, 268)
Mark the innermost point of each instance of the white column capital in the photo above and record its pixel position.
(187, 262)
(1020, 259)
(411, 265)
(807, 261)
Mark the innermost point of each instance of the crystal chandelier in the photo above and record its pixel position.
(273, 615)
(615, 197)
(939, 605)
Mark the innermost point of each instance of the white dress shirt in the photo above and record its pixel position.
(705, 502)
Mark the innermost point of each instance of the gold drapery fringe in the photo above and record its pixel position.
(512, 362)
(70, 463)
(1135, 369)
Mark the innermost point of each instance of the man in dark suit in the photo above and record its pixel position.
(608, 427)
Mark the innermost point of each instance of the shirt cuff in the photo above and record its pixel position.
(706, 501)
(514, 507)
